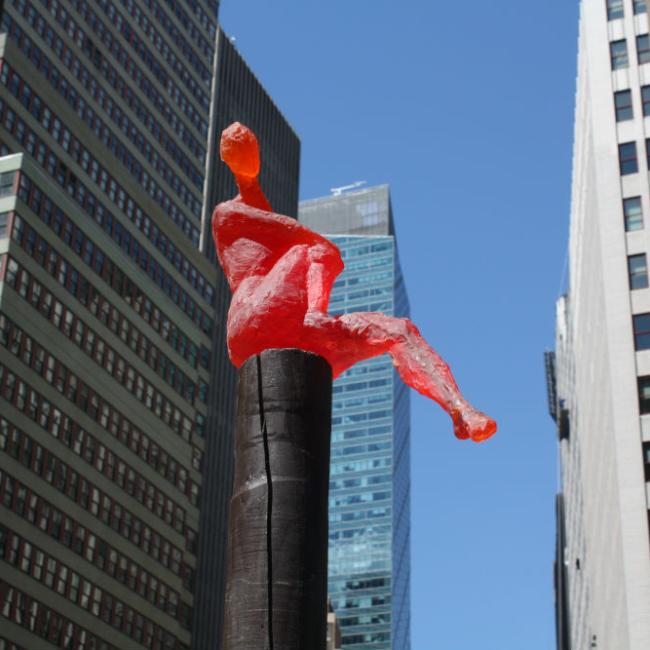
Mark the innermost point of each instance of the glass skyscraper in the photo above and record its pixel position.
(369, 553)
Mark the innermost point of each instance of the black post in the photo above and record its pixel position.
(276, 593)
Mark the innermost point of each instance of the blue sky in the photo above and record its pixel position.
(466, 110)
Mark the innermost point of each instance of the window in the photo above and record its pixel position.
(644, 394)
(633, 213)
(627, 158)
(646, 460)
(643, 48)
(637, 271)
(618, 54)
(640, 7)
(7, 183)
(641, 323)
(645, 100)
(614, 9)
(623, 105)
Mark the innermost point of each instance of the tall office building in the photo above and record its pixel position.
(369, 521)
(599, 377)
(106, 319)
(237, 96)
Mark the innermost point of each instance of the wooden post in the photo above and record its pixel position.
(276, 592)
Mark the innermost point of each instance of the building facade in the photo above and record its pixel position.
(107, 310)
(369, 520)
(599, 379)
(237, 96)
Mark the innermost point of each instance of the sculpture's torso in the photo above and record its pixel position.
(268, 269)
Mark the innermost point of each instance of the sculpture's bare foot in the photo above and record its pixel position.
(470, 423)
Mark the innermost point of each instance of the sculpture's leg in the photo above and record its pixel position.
(324, 265)
(363, 335)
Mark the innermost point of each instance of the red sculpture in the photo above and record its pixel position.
(281, 275)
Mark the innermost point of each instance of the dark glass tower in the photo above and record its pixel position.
(369, 549)
(238, 96)
(107, 310)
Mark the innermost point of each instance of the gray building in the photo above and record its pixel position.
(599, 379)
(107, 310)
(237, 96)
(369, 510)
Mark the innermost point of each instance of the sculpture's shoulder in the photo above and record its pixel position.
(226, 210)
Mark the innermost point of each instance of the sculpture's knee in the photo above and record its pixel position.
(409, 327)
(327, 255)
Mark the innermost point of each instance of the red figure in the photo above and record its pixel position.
(281, 275)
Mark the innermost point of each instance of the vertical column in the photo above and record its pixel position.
(276, 594)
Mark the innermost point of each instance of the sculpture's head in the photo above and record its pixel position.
(240, 151)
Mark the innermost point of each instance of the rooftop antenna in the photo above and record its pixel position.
(337, 191)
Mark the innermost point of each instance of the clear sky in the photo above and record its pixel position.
(466, 109)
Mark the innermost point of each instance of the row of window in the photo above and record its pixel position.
(89, 163)
(60, 11)
(362, 385)
(360, 533)
(95, 347)
(619, 54)
(47, 623)
(61, 527)
(357, 515)
(340, 501)
(69, 181)
(110, 418)
(339, 451)
(33, 456)
(197, 11)
(196, 37)
(367, 619)
(68, 431)
(623, 104)
(41, 112)
(124, 95)
(358, 402)
(361, 481)
(91, 343)
(64, 319)
(100, 505)
(615, 8)
(104, 68)
(353, 418)
(96, 259)
(71, 586)
(359, 465)
(124, 26)
(53, 216)
(68, 383)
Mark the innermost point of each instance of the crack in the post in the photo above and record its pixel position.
(269, 503)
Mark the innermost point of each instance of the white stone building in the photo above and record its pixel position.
(601, 379)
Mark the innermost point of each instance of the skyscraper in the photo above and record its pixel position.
(599, 379)
(369, 552)
(237, 96)
(107, 311)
